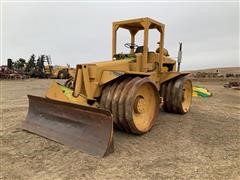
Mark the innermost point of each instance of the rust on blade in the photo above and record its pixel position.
(86, 128)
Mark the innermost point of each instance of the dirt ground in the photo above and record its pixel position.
(203, 144)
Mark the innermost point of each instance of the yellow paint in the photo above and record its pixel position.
(61, 93)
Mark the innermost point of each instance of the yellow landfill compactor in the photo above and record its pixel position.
(125, 93)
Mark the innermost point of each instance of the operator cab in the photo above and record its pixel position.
(158, 57)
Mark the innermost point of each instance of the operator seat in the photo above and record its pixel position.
(165, 51)
(139, 49)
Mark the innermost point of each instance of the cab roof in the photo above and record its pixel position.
(138, 24)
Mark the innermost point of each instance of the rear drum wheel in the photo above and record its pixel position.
(184, 95)
(163, 95)
(177, 95)
(169, 96)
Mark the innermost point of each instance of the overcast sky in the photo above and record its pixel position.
(81, 32)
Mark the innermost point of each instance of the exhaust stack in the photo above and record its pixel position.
(179, 58)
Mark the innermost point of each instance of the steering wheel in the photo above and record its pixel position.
(131, 45)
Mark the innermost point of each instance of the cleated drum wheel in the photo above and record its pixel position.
(177, 95)
(134, 103)
(185, 95)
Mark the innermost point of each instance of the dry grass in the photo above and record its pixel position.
(203, 144)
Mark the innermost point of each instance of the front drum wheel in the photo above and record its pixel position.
(142, 106)
(134, 103)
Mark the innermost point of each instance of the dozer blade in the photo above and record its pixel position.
(86, 128)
